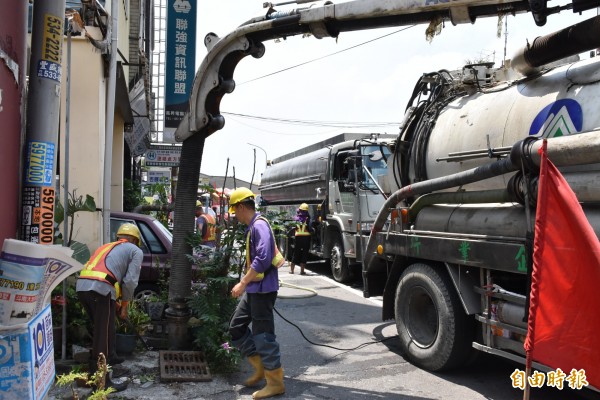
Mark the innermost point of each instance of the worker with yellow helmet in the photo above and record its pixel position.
(302, 232)
(111, 274)
(257, 291)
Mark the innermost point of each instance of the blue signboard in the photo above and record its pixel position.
(181, 58)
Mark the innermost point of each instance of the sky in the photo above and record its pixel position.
(367, 84)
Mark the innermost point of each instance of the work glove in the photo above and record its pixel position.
(122, 309)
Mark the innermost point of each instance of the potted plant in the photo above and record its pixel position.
(154, 302)
(129, 330)
(155, 307)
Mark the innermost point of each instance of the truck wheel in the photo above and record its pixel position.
(339, 264)
(435, 332)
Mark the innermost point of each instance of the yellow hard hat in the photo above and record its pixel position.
(131, 230)
(238, 196)
(303, 207)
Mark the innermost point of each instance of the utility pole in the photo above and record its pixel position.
(43, 105)
(110, 120)
(266, 161)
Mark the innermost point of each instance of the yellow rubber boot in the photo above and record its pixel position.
(274, 386)
(259, 371)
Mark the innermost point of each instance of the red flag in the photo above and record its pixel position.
(564, 311)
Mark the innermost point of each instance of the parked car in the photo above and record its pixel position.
(157, 244)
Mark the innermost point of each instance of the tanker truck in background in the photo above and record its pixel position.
(339, 178)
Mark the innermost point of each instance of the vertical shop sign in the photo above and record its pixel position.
(180, 62)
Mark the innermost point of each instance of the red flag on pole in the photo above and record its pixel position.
(564, 311)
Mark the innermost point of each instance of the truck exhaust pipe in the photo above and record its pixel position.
(570, 41)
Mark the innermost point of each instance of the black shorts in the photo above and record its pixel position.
(301, 249)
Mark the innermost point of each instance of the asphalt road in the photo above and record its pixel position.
(339, 316)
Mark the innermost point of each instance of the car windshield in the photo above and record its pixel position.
(164, 230)
(375, 160)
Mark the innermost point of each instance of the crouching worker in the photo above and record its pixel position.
(258, 291)
(111, 273)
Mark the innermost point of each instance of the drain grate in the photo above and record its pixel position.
(183, 366)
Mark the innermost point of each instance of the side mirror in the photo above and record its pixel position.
(376, 155)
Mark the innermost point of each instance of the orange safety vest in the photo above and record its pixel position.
(96, 268)
(211, 228)
(277, 260)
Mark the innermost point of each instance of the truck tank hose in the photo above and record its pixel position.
(573, 40)
(484, 196)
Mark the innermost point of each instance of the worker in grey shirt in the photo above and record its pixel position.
(111, 274)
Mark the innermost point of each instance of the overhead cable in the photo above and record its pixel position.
(325, 56)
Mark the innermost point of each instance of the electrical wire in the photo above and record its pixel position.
(325, 56)
(317, 123)
(360, 346)
(283, 133)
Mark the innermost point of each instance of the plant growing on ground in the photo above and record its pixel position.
(211, 308)
(97, 381)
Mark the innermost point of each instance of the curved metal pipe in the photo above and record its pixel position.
(483, 196)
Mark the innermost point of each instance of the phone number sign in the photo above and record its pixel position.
(163, 156)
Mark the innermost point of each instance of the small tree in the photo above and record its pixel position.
(76, 204)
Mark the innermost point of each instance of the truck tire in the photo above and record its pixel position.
(434, 331)
(339, 264)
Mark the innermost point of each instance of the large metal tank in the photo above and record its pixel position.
(562, 101)
(302, 179)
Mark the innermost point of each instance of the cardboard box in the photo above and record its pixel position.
(27, 359)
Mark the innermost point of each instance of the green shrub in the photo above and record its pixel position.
(212, 307)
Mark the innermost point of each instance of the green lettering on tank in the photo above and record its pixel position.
(464, 249)
(521, 260)
(415, 243)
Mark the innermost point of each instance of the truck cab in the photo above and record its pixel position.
(341, 181)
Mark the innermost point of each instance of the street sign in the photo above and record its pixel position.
(163, 156)
(159, 176)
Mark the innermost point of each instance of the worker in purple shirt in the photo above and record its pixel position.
(257, 291)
